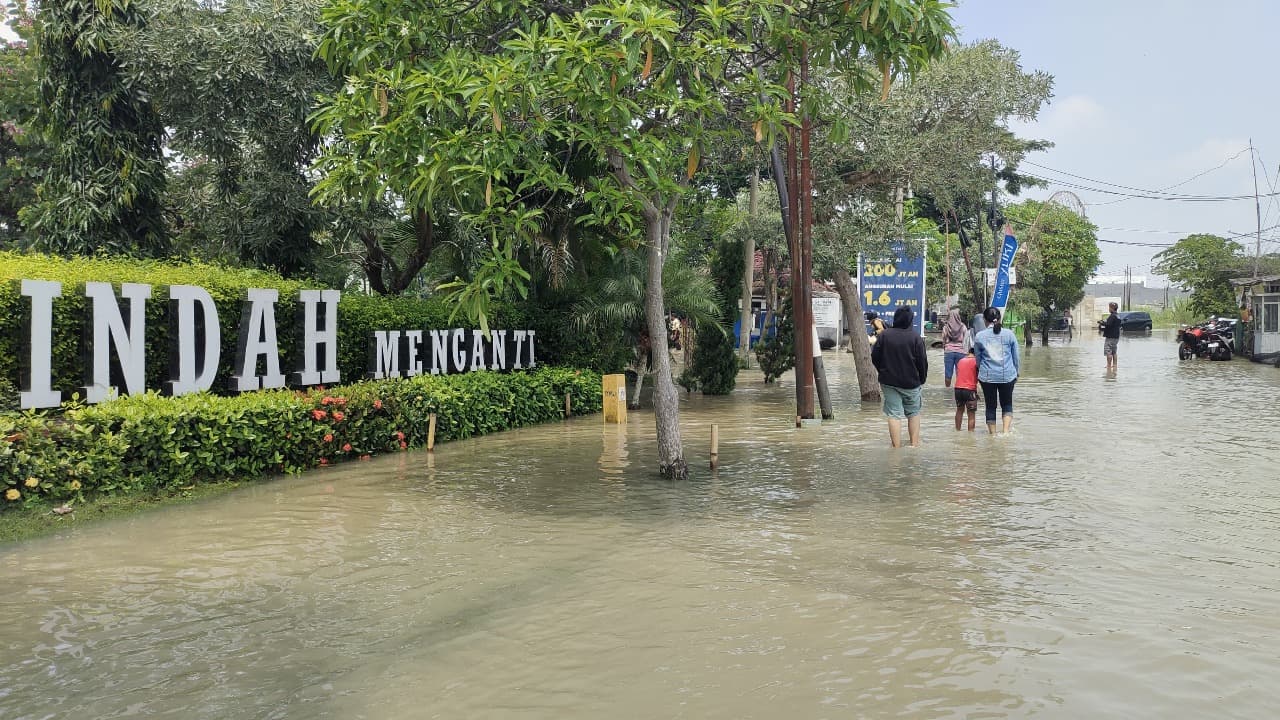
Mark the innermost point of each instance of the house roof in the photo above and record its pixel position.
(1260, 280)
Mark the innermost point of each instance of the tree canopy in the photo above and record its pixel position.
(1203, 264)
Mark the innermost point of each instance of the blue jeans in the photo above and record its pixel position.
(901, 402)
(949, 361)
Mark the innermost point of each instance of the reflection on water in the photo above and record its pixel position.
(1116, 556)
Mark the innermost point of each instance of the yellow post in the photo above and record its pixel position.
(615, 398)
(431, 432)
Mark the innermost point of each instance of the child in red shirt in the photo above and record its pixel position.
(967, 389)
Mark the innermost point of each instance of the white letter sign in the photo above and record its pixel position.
(128, 337)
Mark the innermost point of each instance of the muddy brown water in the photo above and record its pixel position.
(1117, 556)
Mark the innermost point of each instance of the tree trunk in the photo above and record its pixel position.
(666, 401)
(642, 369)
(868, 382)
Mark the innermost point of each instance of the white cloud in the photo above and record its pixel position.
(1073, 115)
(1213, 152)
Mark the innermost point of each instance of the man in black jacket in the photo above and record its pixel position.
(899, 355)
(1111, 336)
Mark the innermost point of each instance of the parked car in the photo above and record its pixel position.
(1129, 320)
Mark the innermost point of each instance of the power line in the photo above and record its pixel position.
(1136, 196)
(1142, 190)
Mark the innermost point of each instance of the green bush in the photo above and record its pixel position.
(715, 355)
(358, 315)
(148, 443)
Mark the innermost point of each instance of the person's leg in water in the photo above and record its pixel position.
(989, 398)
(1006, 405)
(972, 407)
(893, 413)
(960, 405)
(911, 403)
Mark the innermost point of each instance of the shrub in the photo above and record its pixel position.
(148, 443)
(715, 355)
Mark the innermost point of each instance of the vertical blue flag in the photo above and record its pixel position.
(1000, 297)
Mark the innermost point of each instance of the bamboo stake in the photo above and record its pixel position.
(431, 433)
(715, 446)
(568, 407)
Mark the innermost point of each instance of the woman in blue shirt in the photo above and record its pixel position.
(997, 353)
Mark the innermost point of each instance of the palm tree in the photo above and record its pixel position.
(616, 299)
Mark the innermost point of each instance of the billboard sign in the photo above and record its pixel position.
(890, 283)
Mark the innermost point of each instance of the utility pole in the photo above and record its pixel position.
(746, 325)
(1257, 208)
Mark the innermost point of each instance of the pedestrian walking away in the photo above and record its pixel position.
(967, 389)
(900, 358)
(998, 364)
(953, 344)
(1111, 336)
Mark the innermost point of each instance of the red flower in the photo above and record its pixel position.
(328, 437)
(339, 401)
(400, 436)
(319, 414)
(377, 404)
(346, 447)
(403, 445)
(324, 461)
(339, 416)
(326, 400)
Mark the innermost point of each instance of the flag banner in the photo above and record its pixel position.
(1000, 297)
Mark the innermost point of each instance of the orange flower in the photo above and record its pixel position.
(319, 414)
(339, 416)
(400, 436)
(328, 437)
(403, 445)
(326, 400)
(324, 461)
(346, 447)
(377, 404)
(339, 400)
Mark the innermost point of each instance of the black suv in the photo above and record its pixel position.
(1130, 320)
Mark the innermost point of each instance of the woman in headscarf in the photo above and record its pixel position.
(953, 344)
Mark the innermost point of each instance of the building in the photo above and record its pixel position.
(1262, 296)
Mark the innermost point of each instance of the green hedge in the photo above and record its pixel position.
(358, 315)
(148, 443)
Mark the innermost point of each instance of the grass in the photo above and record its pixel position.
(38, 520)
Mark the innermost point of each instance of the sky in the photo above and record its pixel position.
(1149, 94)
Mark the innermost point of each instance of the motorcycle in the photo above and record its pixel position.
(1213, 339)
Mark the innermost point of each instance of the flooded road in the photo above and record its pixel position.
(1117, 556)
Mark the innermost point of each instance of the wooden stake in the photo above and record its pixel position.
(715, 446)
(431, 433)
(568, 407)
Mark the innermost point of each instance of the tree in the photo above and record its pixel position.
(931, 136)
(104, 184)
(1203, 264)
(1060, 253)
(23, 153)
(616, 298)
(492, 103)
(714, 369)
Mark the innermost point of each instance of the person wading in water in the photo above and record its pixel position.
(900, 357)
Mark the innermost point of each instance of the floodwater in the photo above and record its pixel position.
(1117, 556)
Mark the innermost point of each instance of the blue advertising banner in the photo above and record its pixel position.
(889, 284)
(1000, 296)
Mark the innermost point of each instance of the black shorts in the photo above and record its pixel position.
(967, 398)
